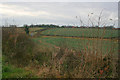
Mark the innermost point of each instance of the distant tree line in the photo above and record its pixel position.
(44, 25)
(65, 26)
(57, 26)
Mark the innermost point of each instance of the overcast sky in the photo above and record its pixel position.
(60, 13)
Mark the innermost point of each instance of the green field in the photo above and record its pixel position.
(59, 53)
(82, 32)
(79, 44)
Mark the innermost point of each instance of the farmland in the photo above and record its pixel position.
(78, 44)
(57, 39)
(82, 32)
(60, 52)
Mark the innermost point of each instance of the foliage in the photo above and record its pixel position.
(45, 26)
(26, 29)
(17, 46)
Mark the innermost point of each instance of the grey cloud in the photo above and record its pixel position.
(59, 13)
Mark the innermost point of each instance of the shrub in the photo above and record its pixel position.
(17, 46)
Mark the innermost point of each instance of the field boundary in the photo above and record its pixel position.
(76, 37)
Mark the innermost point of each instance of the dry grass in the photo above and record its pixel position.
(60, 63)
(66, 63)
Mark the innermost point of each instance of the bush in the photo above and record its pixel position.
(17, 46)
(42, 58)
(81, 64)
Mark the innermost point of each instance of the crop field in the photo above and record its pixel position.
(79, 39)
(59, 53)
(71, 38)
(79, 44)
(82, 32)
